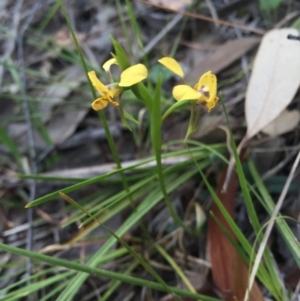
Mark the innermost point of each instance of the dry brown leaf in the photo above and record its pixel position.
(225, 55)
(63, 125)
(274, 81)
(229, 271)
(284, 123)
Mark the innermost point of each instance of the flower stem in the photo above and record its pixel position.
(109, 136)
(156, 122)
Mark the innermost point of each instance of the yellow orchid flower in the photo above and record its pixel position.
(107, 94)
(110, 93)
(204, 92)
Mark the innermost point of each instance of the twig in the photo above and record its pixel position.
(231, 164)
(206, 18)
(287, 19)
(270, 226)
(161, 34)
(31, 144)
(97, 170)
(279, 166)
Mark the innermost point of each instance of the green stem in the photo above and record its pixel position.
(164, 191)
(156, 123)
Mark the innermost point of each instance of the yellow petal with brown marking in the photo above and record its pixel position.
(185, 92)
(99, 104)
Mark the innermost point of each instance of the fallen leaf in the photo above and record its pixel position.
(55, 94)
(225, 55)
(174, 5)
(284, 123)
(59, 125)
(63, 125)
(274, 80)
(229, 271)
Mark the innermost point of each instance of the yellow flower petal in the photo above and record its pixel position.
(184, 92)
(114, 103)
(172, 65)
(101, 88)
(106, 66)
(211, 104)
(133, 75)
(99, 104)
(115, 91)
(207, 87)
(207, 84)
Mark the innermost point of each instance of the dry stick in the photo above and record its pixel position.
(31, 144)
(161, 34)
(231, 164)
(287, 19)
(270, 226)
(206, 18)
(296, 292)
(279, 166)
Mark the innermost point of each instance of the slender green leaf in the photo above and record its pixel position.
(177, 105)
(268, 203)
(267, 5)
(10, 144)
